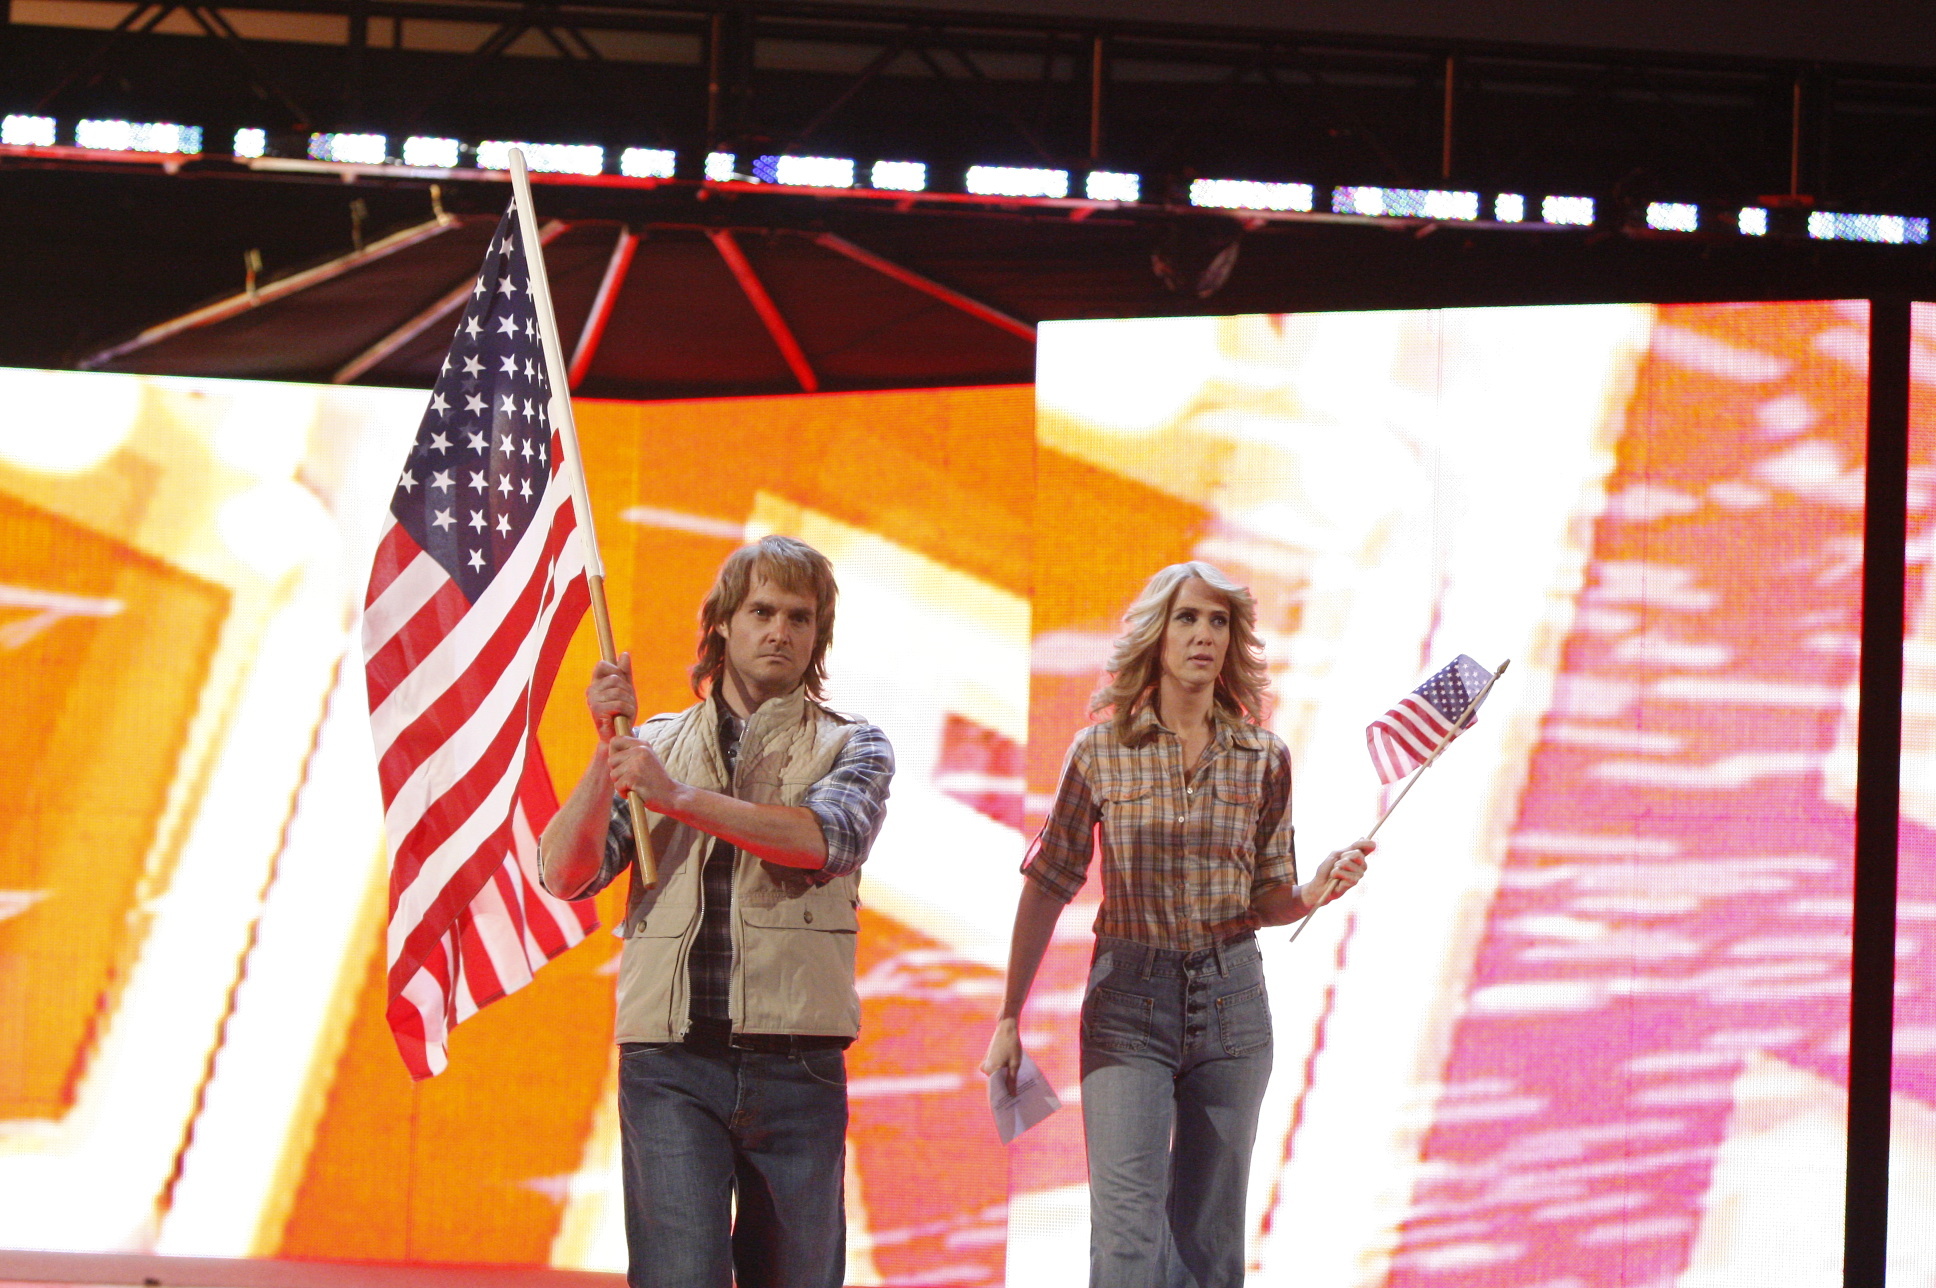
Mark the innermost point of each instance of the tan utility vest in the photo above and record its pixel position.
(793, 940)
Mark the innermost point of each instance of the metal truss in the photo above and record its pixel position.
(1167, 101)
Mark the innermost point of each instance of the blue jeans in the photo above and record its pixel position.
(704, 1128)
(1176, 1052)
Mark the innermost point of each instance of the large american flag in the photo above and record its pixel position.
(1425, 719)
(477, 587)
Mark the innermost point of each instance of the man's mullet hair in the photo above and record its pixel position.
(793, 566)
(1136, 664)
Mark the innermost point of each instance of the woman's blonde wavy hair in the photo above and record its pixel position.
(1136, 664)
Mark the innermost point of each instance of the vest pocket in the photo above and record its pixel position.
(814, 911)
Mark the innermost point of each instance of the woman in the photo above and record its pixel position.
(1193, 796)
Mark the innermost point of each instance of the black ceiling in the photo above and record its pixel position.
(97, 253)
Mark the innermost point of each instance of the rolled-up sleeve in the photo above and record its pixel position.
(618, 849)
(1058, 862)
(851, 801)
(1276, 846)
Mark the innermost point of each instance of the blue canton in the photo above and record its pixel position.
(478, 471)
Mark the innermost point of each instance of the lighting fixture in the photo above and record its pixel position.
(1406, 203)
(1574, 211)
(138, 136)
(1752, 221)
(547, 158)
(805, 172)
(1673, 216)
(1107, 185)
(719, 166)
(27, 131)
(351, 149)
(1509, 208)
(1016, 181)
(1891, 229)
(1244, 194)
(647, 163)
(250, 143)
(899, 176)
(430, 153)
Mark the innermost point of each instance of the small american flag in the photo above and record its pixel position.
(1426, 718)
(477, 587)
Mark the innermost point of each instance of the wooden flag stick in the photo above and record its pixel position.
(1418, 773)
(574, 469)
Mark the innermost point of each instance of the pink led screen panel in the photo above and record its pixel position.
(1586, 1023)
(1912, 1110)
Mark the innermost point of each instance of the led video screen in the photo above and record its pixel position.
(1584, 1024)
(1912, 1109)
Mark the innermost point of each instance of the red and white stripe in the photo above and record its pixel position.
(1405, 737)
(456, 690)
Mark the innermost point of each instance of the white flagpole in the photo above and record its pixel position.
(1418, 773)
(574, 465)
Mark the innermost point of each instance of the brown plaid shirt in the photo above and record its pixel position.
(1180, 853)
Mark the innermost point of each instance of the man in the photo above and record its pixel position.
(736, 995)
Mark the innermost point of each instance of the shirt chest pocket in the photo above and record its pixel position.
(1136, 817)
(1233, 804)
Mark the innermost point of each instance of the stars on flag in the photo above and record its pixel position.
(1426, 719)
(490, 398)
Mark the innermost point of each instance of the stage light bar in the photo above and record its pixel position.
(1752, 221)
(138, 136)
(1244, 194)
(1673, 216)
(1509, 208)
(1016, 181)
(1108, 185)
(1573, 211)
(430, 153)
(899, 176)
(1405, 203)
(351, 149)
(1895, 230)
(804, 172)
(250, 143)
(647, 163)
(546, 158)
(719, 166)
(27, 131)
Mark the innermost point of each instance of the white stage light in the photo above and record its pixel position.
(1752, 221)
(1673, 216)
(27, 131)
(804, 172)
(1575, 211)
(719, 166)
(899, 176)
(547, 158)
(1107, 185)
(430, 153)
(1243, 194)
(351, 149)
(1405, 203)
(1016, 181)
(1509, 208)
(251, 143)
(138, 136)
(647, 163)
(1891, 229)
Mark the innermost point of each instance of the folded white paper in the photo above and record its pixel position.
(1032, 1100)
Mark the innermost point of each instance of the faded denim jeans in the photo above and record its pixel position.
(1176, 1052)
(702, 1131)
